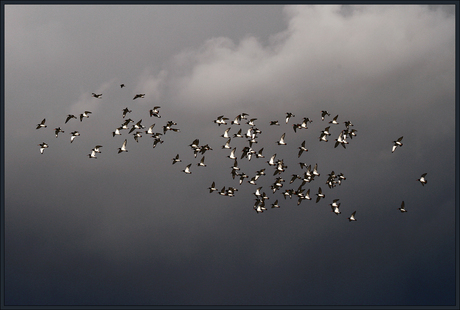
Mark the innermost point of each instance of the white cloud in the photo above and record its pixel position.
(322, 51)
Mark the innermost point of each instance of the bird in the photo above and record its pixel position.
(251, 122)
(320, 195)
(70, 116)
(176, 159)
(396, 144)
(43, 146)
(92, 154)
(73, 135)
(126, 111)
(137, 135)
(237, 120)
(123, 147)
(341, 140)
(57, 131)
(288, 116)
(232, 154)
(117, 132)
(227, 144)
(238, 134)
(315, 170)
(402, 207)
(352, 217)
(97, 95)
(138, 125)
(335, 209)
(85, 114)
(323, 137)
(212, 188)
(296, 126)
(225, 134)
(302, 149)
(274, 123)
(275, 204)
(271, 162)
(122, 85)
(97, 148)
(334, 120)
(281, 140)
(150, 130)
(221, 120)
(187, 169)
(323, 114)
(155, 112)
(42, 124)
(201, 163)
(156, 141)
(334, 203)
(139, 96)
(422, 179)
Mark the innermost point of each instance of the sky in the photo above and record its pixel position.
(132, 228)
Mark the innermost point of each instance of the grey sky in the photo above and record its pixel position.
(133, 229)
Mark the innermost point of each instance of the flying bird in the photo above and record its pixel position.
(187, 169)
(126, 111)
(323, 114)
(352, 217)
(43, 146)
(213, 188)
(123, 147)
(139, 96)
(97, 148)
(281, 140)
(334, 120)
(97, 95)
(122, 85)
(73, 135)
(288, 116)
(84, 114)
(422, 179)
(57, 131)
(320, 195)
(42, 124)
(302, 149)
(396, 144)
(70, 116)
(92, 154)
(176, 159)
(402, 207)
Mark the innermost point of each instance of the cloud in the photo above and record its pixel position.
(323, 53)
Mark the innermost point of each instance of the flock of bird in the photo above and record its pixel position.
(306, 173)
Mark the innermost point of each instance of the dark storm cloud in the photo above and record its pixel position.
(131, 228)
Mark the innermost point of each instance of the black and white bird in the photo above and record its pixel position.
(69, 116)
(138, 125)
(73, 135)
(281, 140)
(137, 135)
(288, 116)
(150, 130)
(341, 140)
(43, 146)
(97, 148)
(396, 144)
(221, 120)
(187, 169)
(123, 147)
(155, 112)
(334, 120)
(352, 217)
(97, 95)
(139, 96)
(42, 124)
(92, 154)
(323, 114)
(422, 179)
(320, 195)
(126, 111)
(225, 134)
(302, 149)
(84, 114)
(213, 188)
(402, 207)
(276, 123)
(272, 162)
(57, 131)
(117, 132)
(275, 204)
(176, 159)
(201, 163)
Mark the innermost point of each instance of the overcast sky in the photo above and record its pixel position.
(133, 229)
